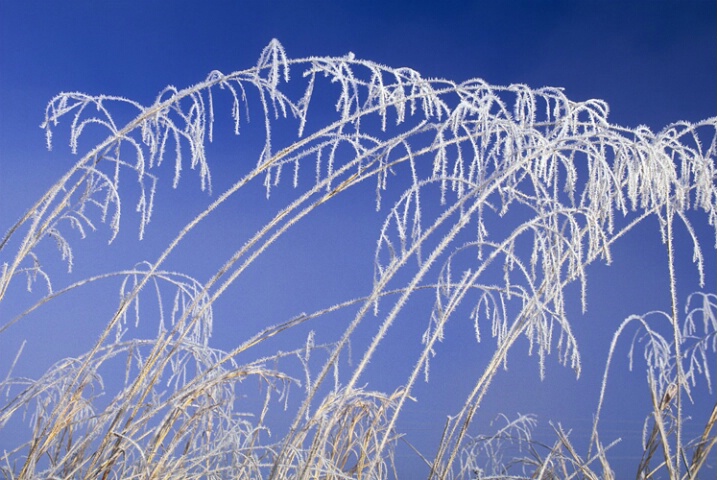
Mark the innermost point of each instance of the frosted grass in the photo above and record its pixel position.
(575, 183)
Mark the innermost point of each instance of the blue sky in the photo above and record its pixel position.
(653, 62)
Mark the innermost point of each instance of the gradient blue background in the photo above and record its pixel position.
(653, 62)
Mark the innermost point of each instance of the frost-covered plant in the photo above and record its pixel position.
(675, 361)
(498, 198)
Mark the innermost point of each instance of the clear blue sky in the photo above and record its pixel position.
(653, 62)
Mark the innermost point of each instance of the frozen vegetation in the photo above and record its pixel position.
(494, 200)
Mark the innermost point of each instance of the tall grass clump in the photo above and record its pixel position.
(494, 199)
